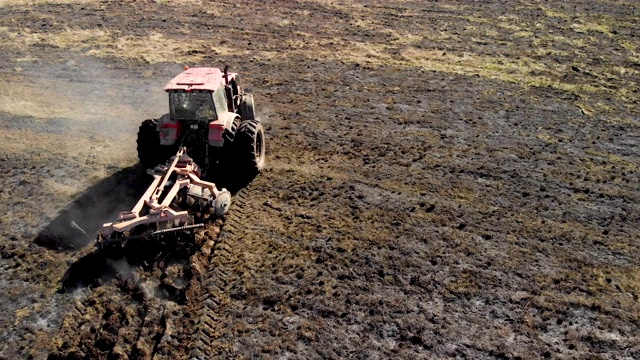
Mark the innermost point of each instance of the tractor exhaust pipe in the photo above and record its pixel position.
(226, 74)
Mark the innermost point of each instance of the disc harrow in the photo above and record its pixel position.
(177, 200)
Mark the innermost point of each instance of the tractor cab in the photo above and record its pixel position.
(201, 104)
(201, 93)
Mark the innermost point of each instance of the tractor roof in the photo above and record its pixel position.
(198, 79)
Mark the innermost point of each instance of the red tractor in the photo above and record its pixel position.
(213, 118)
(211, 125)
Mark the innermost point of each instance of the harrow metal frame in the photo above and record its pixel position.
(159, 210)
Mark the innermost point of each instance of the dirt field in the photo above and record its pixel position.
(444, 179)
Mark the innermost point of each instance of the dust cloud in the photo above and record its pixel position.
(85, 117)
(75, 125)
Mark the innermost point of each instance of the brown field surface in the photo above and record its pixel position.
(444, 180)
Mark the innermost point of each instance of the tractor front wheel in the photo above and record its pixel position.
(247, 108)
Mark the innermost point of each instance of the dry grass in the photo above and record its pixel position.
(24, 3)
(12, 104)
(402, 50)
(102, 99)
(20, 99)
(524, 70)
(99, 42)
(585, 27)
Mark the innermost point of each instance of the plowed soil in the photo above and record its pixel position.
(443, 180)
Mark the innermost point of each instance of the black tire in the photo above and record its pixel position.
(221, 159)
(229, 137)
(250, 147)
(247, 108)
(149, 148)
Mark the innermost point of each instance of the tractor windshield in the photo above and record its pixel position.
(195, 105)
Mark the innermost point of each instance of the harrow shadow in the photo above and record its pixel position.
(89, 271)
(75, 227)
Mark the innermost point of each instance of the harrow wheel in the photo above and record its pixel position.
(222, 203)
(111, 245)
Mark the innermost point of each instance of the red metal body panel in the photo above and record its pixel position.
(215, 131)
(208, 79)
(169, 132)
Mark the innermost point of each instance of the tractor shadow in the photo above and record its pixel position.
(101, 203)
(76, 226)
(233, 183)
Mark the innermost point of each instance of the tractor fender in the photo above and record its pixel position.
(168, 130)
(217, 128)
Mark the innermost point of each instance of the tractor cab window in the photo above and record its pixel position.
(220, 99)
(195, 105)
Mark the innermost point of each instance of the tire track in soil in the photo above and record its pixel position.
(152, 331)
(132, 318)
(117, 327)
(213, 294)
(126, 321)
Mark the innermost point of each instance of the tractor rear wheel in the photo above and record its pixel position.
(229, 136)
(149, 148)
(247, 108)
(249, 147)
(221, 159)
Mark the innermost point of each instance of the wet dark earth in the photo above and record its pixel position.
(443, 180)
